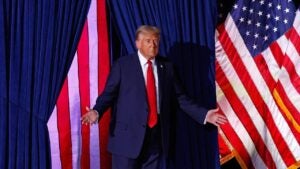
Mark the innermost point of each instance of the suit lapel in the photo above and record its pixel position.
(139, 74)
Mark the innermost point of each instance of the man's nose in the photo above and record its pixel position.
(153, 43)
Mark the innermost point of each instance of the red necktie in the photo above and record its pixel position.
(151, 94)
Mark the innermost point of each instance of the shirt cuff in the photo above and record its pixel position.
(98, 117)
(209, 112)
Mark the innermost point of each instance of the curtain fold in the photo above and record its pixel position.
(188, 29)
(38, 40)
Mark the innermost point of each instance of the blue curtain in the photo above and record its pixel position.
(188, 29)
(38, 39)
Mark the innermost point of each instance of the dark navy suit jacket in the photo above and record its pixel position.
(125, 90)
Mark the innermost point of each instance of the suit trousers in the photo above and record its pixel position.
(151, 154)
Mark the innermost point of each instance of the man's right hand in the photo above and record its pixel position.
(91, 117)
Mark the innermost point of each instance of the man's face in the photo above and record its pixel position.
(148, 44)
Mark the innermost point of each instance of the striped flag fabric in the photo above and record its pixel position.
(257, 81)
(74, 145)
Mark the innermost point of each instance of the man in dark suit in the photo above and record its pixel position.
(143, 90)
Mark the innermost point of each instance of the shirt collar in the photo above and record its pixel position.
(143, 60)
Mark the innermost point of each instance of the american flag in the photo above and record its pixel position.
(258, 83)
(74, 145)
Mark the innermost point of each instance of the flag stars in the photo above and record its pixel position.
(262, 2)
(287, 10)
(242, 19)
(254, 46)
(249, 22)
(235, 6)
(278, 7)
(260, 22)
(270, 5)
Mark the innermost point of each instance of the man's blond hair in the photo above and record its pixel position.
(146, 29)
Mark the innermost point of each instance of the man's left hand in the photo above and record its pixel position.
(215, 118)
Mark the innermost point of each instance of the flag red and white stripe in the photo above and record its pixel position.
(74, 145)
(261, 97)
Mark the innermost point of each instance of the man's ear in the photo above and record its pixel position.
(138, 44)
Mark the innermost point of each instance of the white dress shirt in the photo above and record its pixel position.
(144, 65)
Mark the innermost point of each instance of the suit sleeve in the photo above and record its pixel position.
(110, 92)
(188, 105)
